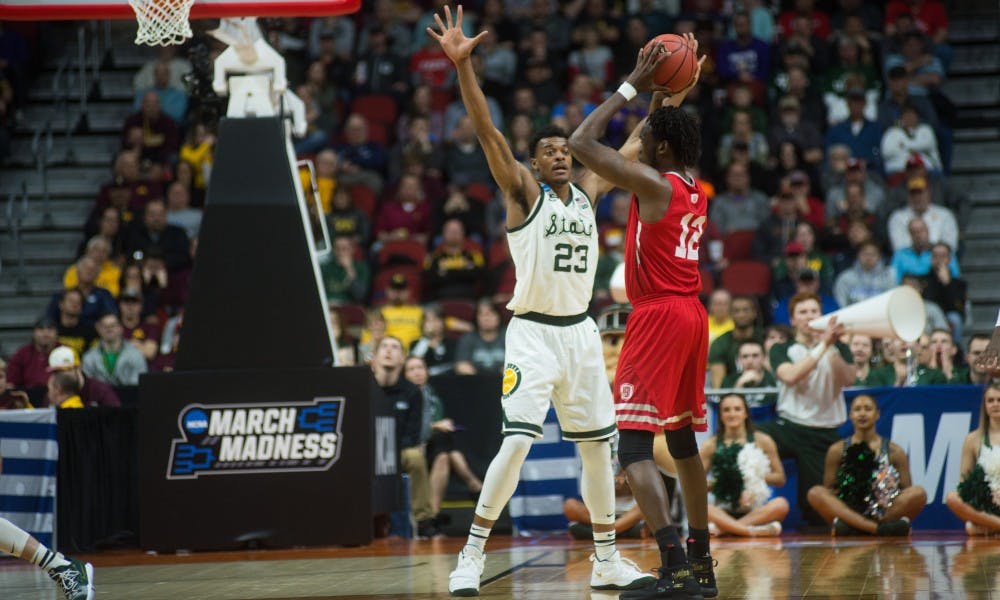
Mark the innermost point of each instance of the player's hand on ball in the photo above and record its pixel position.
(646, 65)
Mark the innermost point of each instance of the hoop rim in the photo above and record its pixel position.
(73, 10)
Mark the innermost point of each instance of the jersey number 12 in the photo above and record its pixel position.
(690, 236)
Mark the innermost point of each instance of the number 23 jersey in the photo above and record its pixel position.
(555, 255)
(661, 258)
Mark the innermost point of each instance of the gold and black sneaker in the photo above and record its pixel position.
(704, 572)
(674, 582)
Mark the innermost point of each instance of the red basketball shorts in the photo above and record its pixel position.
(660, 380)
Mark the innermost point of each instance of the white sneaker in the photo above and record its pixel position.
(772, 529)
(618, 573)
(464, 580)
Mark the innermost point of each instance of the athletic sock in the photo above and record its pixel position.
(671, 551)
(48, 559)
(697, 542)
(604, 544)
(477, 537)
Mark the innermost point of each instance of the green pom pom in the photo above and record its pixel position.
(855, 476)
(728, 484)
(975, 492)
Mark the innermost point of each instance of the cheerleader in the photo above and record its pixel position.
(741, 464)
(866, 482)
(977, 500)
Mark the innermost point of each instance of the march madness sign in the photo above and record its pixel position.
(225, 439)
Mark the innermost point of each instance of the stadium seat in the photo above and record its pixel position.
(378, 133)
(364, 199)
(707, 283)
(376, 108)
(479, 192)
(459, 308)
(499, 253)
(352, 318)
(402, 252)
(747, 277)
(738, 245)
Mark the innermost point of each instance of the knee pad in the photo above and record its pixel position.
(634, 446)
(681, 443)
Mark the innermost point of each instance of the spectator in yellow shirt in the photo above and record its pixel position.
(108, 278)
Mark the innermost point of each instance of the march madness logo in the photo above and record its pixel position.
(283, 437)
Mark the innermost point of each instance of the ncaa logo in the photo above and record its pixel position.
(626, 390)
(195, 421)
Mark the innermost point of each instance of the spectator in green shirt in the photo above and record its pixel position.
(973, 373)
(863, 349)
(753, 374)
(723, 351)
(916, 370)
(346, 279)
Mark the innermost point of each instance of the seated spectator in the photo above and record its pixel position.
(154, 231)
(791, 127)
(465, 161)
(109, 227)
(942, 191)
(454, 269)
(816, 22)
(592, 58)
(925, 70)
(430, 66)
(470, 212)
(916, 258)
(408, 215)
(809, 207)
(99, 251)
(128, 191)
(863, 136)
(482, 350)
(720, 319)
(498, 68)
(345, 278)
(371, 334)
(742, 465)
(815, 259)
(402, 316)
(973, 373)
(795, 83)
(179, 67)
(96, 300)
(856, 467)
(92, 391)
(798, 35)
(326, 165)
(941, 224)
(897, 96)
(760, 176)
(317, 123)
(63, 391)
(70, 330)
(867, 374)
(407, 402)
(11, 398)
(786, 273)
(171, 340)
(179, 211)
(807, 282)
(173, 100)
(724, 351)
(914, 369)
(947, 291)
(791, 160)
(160, 137)
(198, 152)
(340, 31)
(774, 334)
(742, 131)
(944, 355)
(347, 220)
(380, 70)
(361, 159)
(437, 433)
(417, 146)
(906, 138)
(743, 57)
(935, 316)
(435, 348)
(144, 334)
(740, 207)
(867, 278)
(871, 191)
(112, 360)
(777, 230)
(752, 373)
(835, 167)
(741, 99)
(974, 501)
(27, 368)
(846, 246)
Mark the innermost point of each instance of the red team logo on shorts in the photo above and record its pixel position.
(626, 390)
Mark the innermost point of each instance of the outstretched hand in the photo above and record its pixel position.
(453, 41)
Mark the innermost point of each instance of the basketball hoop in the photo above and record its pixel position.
(162, 22)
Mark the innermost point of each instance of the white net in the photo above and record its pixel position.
(162, 22)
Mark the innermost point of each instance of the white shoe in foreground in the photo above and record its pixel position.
(618, 573)
(464, 580)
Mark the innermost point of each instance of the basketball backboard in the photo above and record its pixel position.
(54, 10)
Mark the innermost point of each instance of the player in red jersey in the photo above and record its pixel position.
(659, 384)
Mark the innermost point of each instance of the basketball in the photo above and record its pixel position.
(674, 73)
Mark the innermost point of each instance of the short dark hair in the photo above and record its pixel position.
(680, 130)
(549, 131)
(751, 343)
(975, 337)
(67, 382)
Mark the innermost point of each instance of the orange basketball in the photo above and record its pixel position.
(674, 73)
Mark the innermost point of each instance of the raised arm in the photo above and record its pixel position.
(792, 373)
(513, 178)
(610, 165)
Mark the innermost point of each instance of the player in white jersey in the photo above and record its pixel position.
(553, 349)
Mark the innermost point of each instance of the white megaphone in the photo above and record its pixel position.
(896, 313)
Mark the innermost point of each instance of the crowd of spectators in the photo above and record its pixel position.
(826, 152)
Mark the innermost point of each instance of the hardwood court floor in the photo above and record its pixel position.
(549, 567)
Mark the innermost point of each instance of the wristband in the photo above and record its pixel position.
(818, 351)
(627, 90)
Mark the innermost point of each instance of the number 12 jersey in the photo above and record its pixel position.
(555, 255)
(661, 258)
